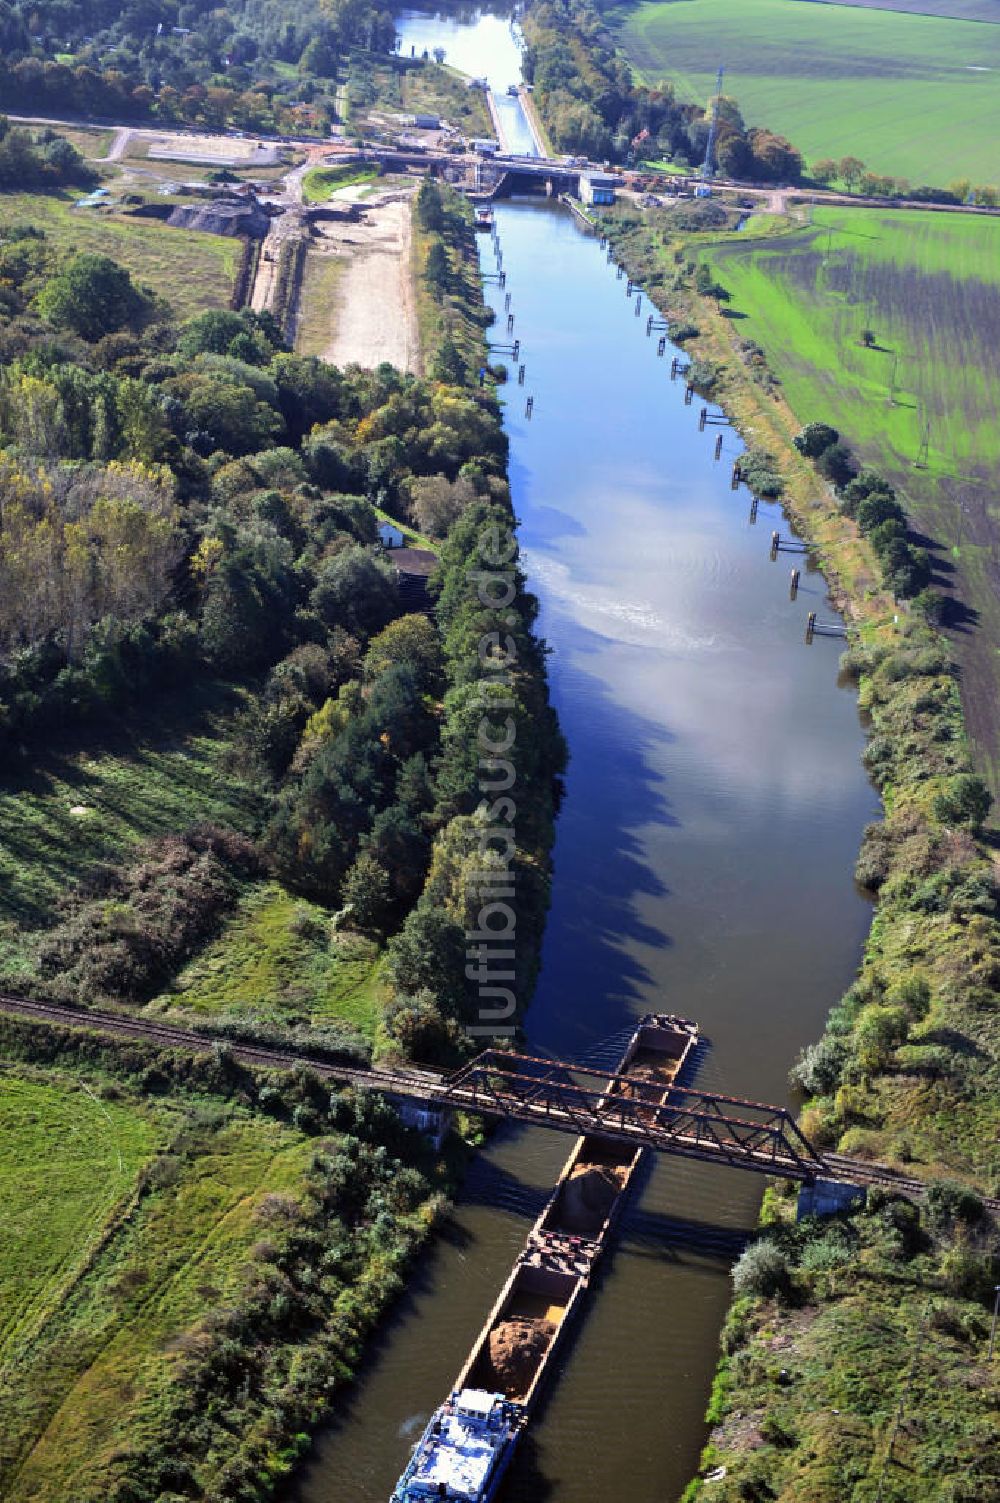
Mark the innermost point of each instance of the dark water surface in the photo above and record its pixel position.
(714, 807)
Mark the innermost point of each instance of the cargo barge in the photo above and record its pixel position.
(467, 1446)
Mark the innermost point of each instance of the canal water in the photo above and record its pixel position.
(714, 806)
(482, 44)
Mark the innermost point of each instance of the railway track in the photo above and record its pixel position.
(438, 1090)
(170, 1036)
(842, 1166)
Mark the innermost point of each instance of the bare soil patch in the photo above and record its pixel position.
(372, 317)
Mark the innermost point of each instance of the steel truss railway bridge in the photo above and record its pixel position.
(691, 1123)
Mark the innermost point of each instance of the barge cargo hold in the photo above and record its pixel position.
(470, 1440)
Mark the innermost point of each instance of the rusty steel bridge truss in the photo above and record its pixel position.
(548, 1093)
(690, 1123)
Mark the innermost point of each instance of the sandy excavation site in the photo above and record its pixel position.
(371, 317)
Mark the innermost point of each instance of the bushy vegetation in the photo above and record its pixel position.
(870, 500)
(451, 313)
(200, 503)
(39, 159)
(854, 1357)
(128, 929)
(255, 67)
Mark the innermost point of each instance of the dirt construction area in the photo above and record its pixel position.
(371, 316)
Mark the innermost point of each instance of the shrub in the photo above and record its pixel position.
(421, 1033)
(814, 439)
(865, 483)
(875, 858)
(762, 1269)
(878, 507)
(828, 1252)
(126, 935)
(704, 376)
(914, 993)
(965, 800)
(367, 891)
(819, 1067)
(429, 954)
(876, 1034)
(929, 604)
(966, 1274)
(759, 472)
(837, 464)
(948, 1202)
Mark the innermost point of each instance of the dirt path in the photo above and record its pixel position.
(117, 148)
(265, 282)
(374, 315)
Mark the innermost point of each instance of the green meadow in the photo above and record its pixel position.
(193, 270)
(278, 959)
(81, 805)
(913, 96)
(91, 1151)
(921, 403)
(100, 1289)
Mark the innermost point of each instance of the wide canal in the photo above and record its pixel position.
(714, 807)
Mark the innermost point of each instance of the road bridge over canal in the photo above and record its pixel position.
(691, 1123)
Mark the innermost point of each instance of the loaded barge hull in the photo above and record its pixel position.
(464, 1452)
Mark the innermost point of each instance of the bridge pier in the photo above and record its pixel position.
(829, 1197)
(433, 1121)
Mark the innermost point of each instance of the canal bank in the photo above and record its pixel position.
(714, 805)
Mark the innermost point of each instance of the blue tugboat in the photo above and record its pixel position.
(465, 1450)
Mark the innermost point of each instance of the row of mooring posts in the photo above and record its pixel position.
(514, 348)
(680, 367)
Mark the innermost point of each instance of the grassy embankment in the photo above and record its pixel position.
(322, 182)
(321, 276)
(863, 1352)
(911, 95)
(195, 271)
(276, 959)
(928, 286)
(137, 1231)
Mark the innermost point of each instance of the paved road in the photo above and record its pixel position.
(318, 149)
